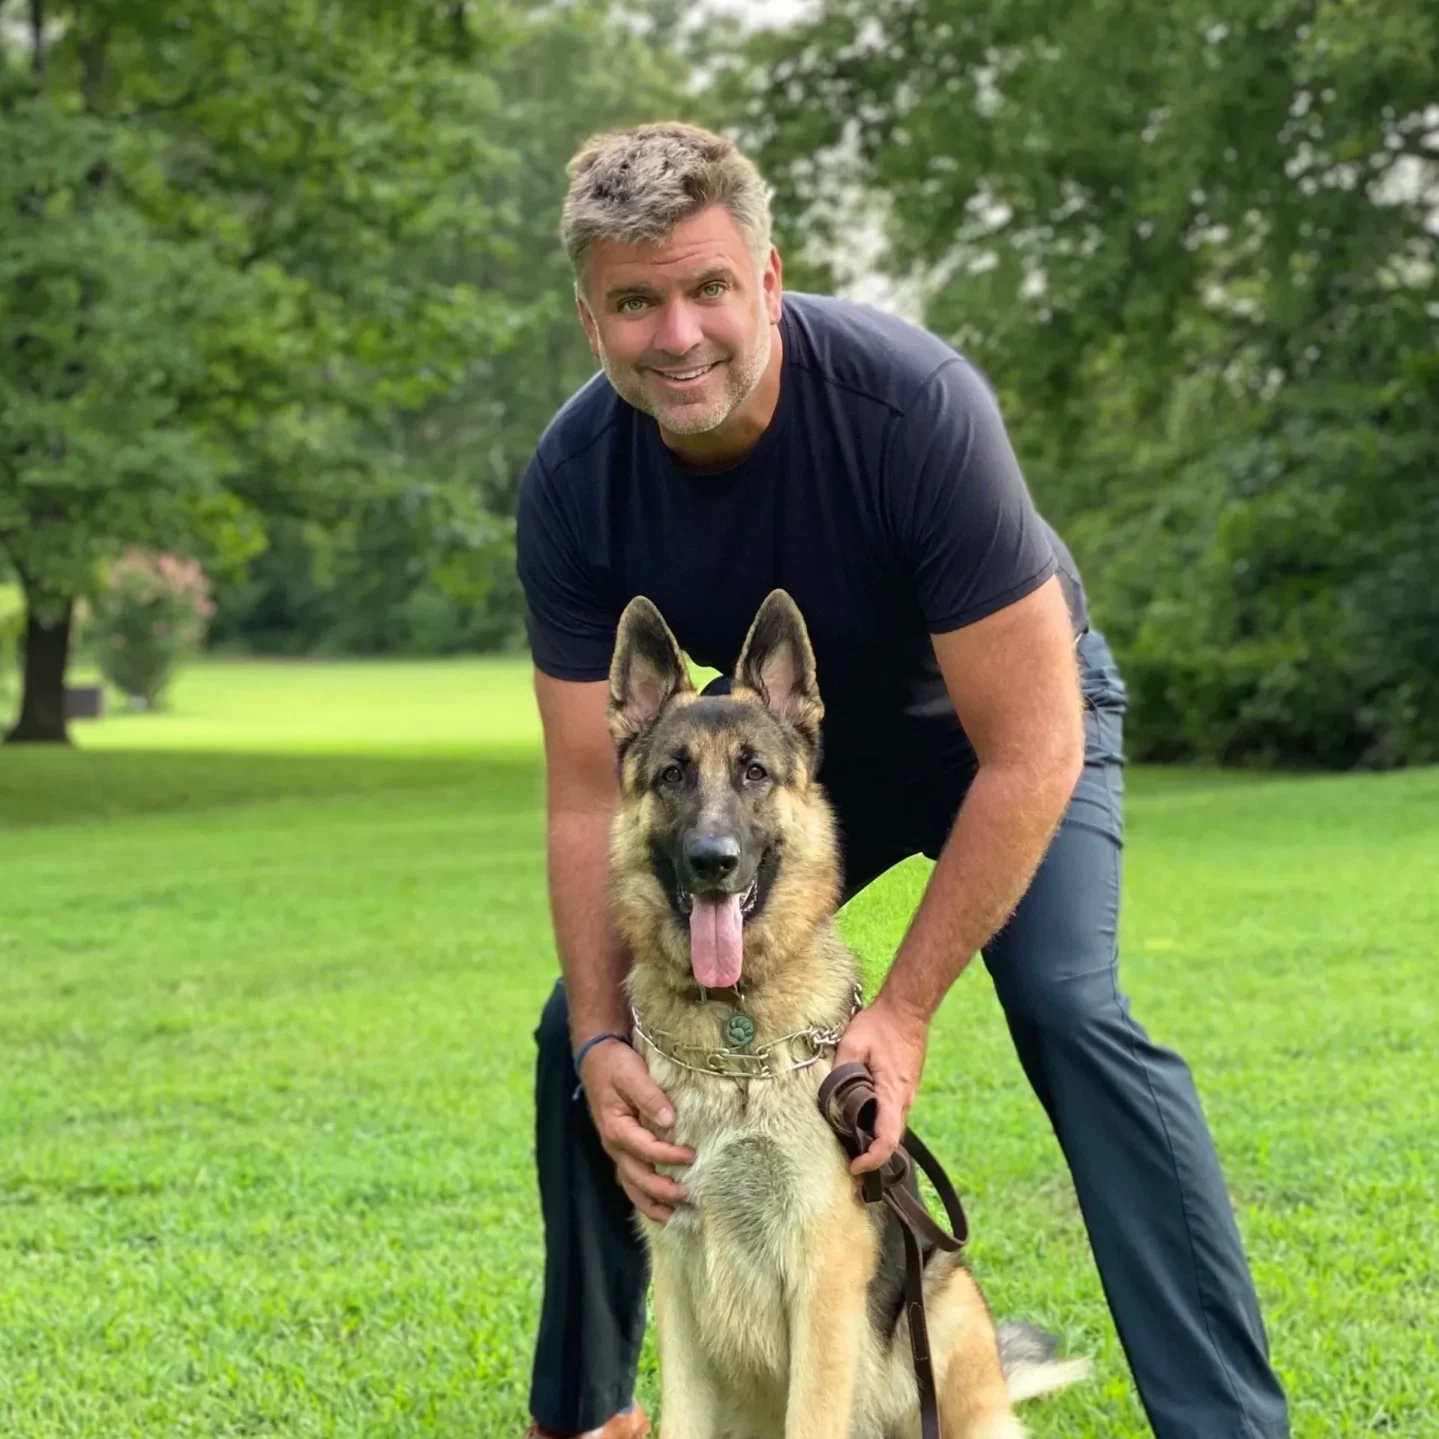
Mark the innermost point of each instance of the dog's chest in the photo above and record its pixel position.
(760, 1181)
(757, 1146)
(765, 1174)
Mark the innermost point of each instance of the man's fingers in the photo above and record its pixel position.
(635, 1084)
(633, 1138)
(873, 1158)
(889, 1127)
(641, 1179)
(888, 1133)
(647, 1206)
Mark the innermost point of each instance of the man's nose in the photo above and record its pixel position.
(679, 331)
(712, 858)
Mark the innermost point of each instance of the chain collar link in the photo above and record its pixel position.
(752, 1062)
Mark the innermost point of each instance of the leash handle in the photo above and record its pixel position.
(849, 1104)
(848, 1101)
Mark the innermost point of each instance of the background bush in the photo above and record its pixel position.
(151, 612)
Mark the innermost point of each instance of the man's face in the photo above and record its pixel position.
(683, 328)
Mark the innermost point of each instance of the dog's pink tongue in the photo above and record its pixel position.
(716, 940)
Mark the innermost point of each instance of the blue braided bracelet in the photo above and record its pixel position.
(585, 1048)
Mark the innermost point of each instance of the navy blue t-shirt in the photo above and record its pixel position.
(884, 496)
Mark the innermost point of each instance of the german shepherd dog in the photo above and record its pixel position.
(778, 1292)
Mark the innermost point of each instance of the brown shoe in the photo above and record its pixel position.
(632, 1424)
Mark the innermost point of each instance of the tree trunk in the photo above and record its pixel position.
(47, 654)
(37, 35)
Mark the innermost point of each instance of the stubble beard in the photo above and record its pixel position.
(742, 377)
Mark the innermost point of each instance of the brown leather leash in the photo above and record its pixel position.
(847, 1100)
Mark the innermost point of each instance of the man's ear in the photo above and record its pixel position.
(647, 671)
(777, 663)
(772, 283)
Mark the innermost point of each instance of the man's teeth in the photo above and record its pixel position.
(686, 374)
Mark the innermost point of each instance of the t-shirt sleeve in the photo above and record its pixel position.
(965, 520)
(570, 622)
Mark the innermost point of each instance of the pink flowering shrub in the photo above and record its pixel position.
(153, 610)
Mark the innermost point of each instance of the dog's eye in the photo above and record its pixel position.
(671, 774)
(755, 773)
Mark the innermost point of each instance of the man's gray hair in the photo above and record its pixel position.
(634, 186)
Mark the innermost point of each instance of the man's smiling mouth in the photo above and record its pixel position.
(683, 376)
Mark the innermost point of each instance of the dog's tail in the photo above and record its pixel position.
(1030, 1359)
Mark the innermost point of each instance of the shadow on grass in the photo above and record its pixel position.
(45, 786)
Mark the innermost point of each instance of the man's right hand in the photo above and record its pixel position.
(621, 1095)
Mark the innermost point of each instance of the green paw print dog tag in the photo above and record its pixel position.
(739, 1030)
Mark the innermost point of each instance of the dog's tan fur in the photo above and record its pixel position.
(761, 1279)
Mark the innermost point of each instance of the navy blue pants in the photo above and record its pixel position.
(1124, 1109)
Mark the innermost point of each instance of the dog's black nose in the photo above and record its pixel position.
(711, 858)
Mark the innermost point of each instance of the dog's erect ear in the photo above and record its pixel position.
(647, 671)
(777, 663)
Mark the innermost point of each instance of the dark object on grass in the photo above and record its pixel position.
(84, 702)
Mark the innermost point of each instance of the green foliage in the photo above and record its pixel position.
(377, 583)
(151, 612)
(212, 311)
(268, 1001)
(99, 334)
(1194, 248)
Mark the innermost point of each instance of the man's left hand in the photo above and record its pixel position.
(890, 1041)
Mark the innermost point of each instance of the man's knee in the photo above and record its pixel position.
(553, 1031)
(1067, 1006)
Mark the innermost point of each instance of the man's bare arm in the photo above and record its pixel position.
(579, 804)
(1014, 683)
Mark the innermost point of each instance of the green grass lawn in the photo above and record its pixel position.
(269, 970)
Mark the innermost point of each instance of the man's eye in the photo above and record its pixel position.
(671, 774)
(632, 300)
(755, 773)
(714, 289)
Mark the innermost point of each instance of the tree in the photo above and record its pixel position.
(209, 317)
(98, 329)
(1194, 248)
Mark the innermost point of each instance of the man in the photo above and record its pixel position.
(740, 440)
